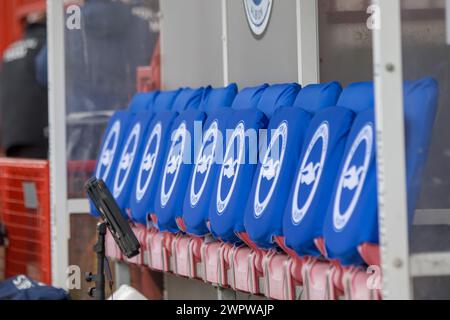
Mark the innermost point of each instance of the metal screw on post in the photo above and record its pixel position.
(398, 263)
(390, 67)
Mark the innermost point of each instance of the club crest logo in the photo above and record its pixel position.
(258, 14)
(173, 164)
(230, 168)
(270, 169)
(148, 162)
(126, 160)
(310, 172)
(353, 176)
(108, 151)
(204, 162)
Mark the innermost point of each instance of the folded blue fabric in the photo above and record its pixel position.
(24, 288)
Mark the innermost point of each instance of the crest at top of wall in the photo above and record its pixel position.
(258, 15)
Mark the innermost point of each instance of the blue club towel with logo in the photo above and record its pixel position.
(143, 102)
(240, 160)
(167, 106)
(352, 217)
(273, 178)
(129, 158)
(109, 152)
(142, 198)
(317, 169)
(198, 190)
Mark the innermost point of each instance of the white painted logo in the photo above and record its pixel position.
(126, 160)
(148, 161)
(352, 177)
(108, 151)
(22, 283)
(310, 173)
(230, 167)
(258, 14)
(173, 164)
(270, 170)
(204, 162)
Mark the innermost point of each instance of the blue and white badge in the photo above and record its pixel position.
(310, 173)
(204, 162)
(352, 177)
(108, 151)
(126, 160)
(230, 168)
(173, 164)
(270, 169)
(258, 14)
(148, 162)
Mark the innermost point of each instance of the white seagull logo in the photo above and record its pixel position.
(230, 168)
(125, 162)
(309, 173)
(270, 169)
(149, 162)
(352, 177)
(174, 159)
(106, 158)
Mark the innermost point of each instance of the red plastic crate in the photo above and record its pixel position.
(29, 249)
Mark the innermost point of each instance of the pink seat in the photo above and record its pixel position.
(215, 259)
(359, 284)
(159, 250)
(186, 251)
(112, 250)
(246, 275)
(141, 234)
(278, 283)
(321, 280)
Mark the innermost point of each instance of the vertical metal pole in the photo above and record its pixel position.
(447, 20)
(226, 75)
(122, 274)
(308, 41)
(57, 141)
(392, 202)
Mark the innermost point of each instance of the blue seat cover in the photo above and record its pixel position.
(217, 98)
(165, 100)
(153, 149)
(142, 102)
(110, 149)
(142, 199)
(352, 217)
(201, 182)
(124, 174)
(419, 94)
(187, 99)
(177, 162)
(235, 177)
(273, 178)
(317, 168)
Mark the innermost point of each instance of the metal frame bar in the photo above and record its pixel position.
(432, 217)
(447, 20)
(392, 204)
(308, 41)
(57, 142)
(78, 206)
(430, 264)
(225, 53)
